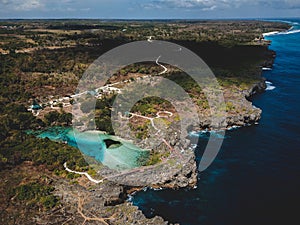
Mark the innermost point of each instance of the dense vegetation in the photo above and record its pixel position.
(49, 57)
(44, 59)
(36, 194)
(103, 114)
(38, 73)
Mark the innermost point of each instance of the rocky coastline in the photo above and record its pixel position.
(249, 114)
(79, 199)
(110, 197)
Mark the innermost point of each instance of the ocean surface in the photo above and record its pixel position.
(255, 178)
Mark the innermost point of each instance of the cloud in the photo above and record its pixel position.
(210, 5)
(204, 5)
(286, 4)
(149, 8)
(30, 5)
(21, 5)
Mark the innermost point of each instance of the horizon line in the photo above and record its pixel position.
(146, 19)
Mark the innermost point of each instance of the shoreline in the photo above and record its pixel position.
(97, 192)
(288, 31)
(127, 191)
(266, 107)
(189, 182)
(257, 88)
(127, 185)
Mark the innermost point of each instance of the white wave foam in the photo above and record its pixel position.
(270, 86)
(266, 68)
(281, 33)
(129, 198)
(156, 189)
(233, 128)
(204, 134)
(270, 33)
(291, 32)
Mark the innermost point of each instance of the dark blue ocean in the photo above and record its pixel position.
(255, 179)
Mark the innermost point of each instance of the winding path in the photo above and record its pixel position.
(149, 118)
(139, 169)
(83, 173)
(150, 39)
(165, 68)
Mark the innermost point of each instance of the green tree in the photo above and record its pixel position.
(87, 106)
(52, 117)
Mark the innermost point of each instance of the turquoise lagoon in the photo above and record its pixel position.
(122, 156)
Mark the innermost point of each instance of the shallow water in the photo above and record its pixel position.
(91, 143)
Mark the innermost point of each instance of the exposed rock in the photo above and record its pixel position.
(93, 204)
(257, 88)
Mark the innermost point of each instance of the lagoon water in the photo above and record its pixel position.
(256, 176)
(91, 143)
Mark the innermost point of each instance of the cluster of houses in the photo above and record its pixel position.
(35, 108)
(67, 100)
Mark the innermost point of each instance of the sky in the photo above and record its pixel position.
(149, 9)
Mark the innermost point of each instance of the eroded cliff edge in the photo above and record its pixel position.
(89, 202)
(82, 201)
